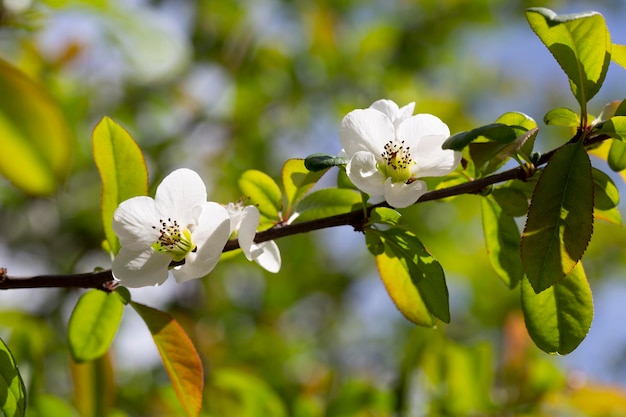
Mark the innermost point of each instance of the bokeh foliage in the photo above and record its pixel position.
(245, 85)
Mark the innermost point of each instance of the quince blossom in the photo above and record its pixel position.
(178, 227)
(389, 149)
(243, 223)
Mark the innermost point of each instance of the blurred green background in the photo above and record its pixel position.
(224, 86)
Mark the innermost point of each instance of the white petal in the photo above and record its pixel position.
(395, 114)
(365, 130)
(179, 193)
(404, 113)
(400, 195)
(209, 236)
(140, 268)
(414, 128)
(363, 172)
(133, 223)
(247, 230)
(431, 160)
(269, 256)
(234, 212)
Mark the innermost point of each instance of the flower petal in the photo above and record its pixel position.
(134, 221)
(140, 268)
(250, 217)
(431, 160)
(414, 128)
(179, 193)
(363, 172)
(400, 195)
(365, 130)
(395, 114)
(209, 236)
(269, 256)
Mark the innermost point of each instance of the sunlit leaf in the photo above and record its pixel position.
(263, 192)
(179, 356)
(12, 390)
(414, 280)
(618, 54)
(581, 45)
(384, 215)
(236, 393)
(614, 127)
(562, 117)
(328, 202)
(502, 239)
(559, 318)
(93, 324)
(94, 386)
(605, 198)
(297, 181)
(560, 218)
(34, 137)
(122, 169)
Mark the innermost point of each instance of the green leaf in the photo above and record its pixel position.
(614, 127)
(502, 238)
(618, 54)
(560, 217)
(179, 356)
(605, 198)
(617, 156)
(321, 162)
(94, 386)
(122, 169)
(559, 318)
(12, 390)
(497, 132)
(414, 280)
(562, 117)
(235, 393)
(93, 324)
(328, 202)
(490, 156)
(297, 181)
(35, 139)
(263, 192)
(581, 45)
(512, 200)
(384, 215)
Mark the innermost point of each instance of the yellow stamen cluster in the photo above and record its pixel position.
(397, 156)
(173, 241)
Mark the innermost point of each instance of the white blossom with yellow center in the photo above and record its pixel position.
(389, 149)
(178, 230)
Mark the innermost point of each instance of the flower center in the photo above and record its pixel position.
(398, 160)
(174, 241)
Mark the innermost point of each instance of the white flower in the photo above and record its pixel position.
(389, 149)
(178, 226)
(244, 222)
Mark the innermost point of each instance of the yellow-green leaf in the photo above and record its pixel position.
(297, 181)
(562, 117)
(605, 198)
(93, 324)
(559, 318)
(618, 54)
(560, 218)
(581, 45)
(328, 202)
(502, 239)
(614, 127)
(13, 393)
(122, 169)
(179, 356)
(263, 192)
(94, 387)
(34, 136)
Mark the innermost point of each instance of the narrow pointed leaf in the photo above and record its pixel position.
(560, 218)
(618, 54)
(179, 356)
(559, 318)
(502, 239)
(263, 192)
(414, 280)
(321, 162)
(94, 386)
(35, 140)
(93, 324)
(581, 45)
(497, 132)
(13, 398)
(562, 117)
(122, 169)
(297, 181)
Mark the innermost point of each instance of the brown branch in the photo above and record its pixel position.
(104, 279)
